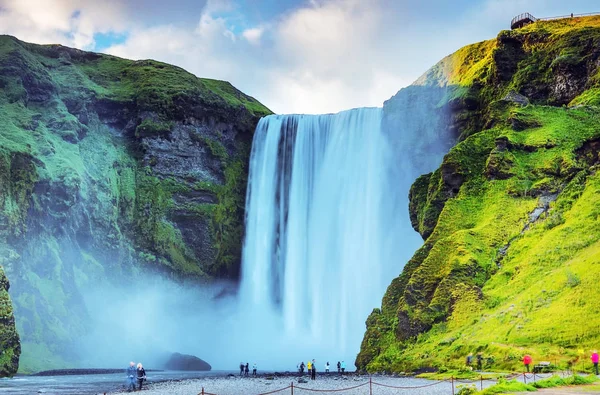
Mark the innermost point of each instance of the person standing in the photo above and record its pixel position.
(594, 359)
(247, 369)
(309, 366)
(254, 369)
(313, 372)
(469, 359)
(479, 361)
(339, 366)
(343, 367)
(302, 368)
(241, 368)
(131, 377)
(527, 361)
(327, 367)
(141, 375)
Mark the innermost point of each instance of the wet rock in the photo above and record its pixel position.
(185, 362)
(515, 97)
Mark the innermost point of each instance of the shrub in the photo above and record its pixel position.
(508, 386)
(466, 389)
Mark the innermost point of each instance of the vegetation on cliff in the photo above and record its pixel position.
(510, 260)
(111, 167)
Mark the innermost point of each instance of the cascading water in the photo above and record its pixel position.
(327, 224)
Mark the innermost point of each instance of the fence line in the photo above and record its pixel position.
(525, 376)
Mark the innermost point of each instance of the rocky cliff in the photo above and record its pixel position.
(109, 168)
(510, 218)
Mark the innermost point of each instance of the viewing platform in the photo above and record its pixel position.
(526, 18)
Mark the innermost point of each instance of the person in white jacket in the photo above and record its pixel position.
(327, 367)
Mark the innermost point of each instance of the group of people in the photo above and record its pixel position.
(135, 374)
(527, 361)
(245, 369)
(312, 368)
(479, 358)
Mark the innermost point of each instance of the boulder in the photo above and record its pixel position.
(179, 361)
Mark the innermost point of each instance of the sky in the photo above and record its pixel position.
(295, 56)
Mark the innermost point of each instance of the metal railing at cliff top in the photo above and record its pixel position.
(527, 17)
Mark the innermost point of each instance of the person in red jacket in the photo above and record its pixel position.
(527, 362)
(594, 359)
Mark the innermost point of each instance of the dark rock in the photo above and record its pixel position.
(187, 363)
(515, 97)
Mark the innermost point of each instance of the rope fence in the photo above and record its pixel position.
(293, 388)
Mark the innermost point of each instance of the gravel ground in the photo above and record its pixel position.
(262, 385)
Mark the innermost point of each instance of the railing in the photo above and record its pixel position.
(549, 18)
(454, 384)
(526, 18)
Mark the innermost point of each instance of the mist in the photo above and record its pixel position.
(151, 317)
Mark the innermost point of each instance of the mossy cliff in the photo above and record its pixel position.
(510, 260)
(108, 168)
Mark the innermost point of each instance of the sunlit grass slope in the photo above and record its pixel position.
(511, 259)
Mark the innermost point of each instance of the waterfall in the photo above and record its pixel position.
(326, 224)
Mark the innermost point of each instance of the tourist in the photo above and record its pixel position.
(131, 377)
(479, 361)
(141, 375)
(247, 369)
(309, 366)
(302, 366)
(594, 359)
(254, 369)
(527, 362)
(327, 367)
(469, 359)
(343, 367)
(241, 368)
(339, 366)
(313, 372)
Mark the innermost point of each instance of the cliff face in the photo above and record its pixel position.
(110, 168)
(509, 219)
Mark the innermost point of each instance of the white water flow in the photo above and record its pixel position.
(325, 220)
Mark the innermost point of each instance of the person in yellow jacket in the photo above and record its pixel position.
(309, 366)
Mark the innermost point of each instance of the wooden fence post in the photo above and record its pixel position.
(370, 386)
(292, 387)
(452, 382)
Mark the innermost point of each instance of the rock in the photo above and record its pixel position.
(185, 362)
(515, 97)
(302, 381)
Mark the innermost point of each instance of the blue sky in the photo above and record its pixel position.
(308, 56)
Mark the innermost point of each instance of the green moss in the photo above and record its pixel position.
(159, 86)
(453, 297)
(150, 128)
(505, 386)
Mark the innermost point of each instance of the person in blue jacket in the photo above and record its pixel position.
(131, 376)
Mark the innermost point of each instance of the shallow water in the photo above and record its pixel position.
(87, 384)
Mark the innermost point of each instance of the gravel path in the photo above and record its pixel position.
(323, 385)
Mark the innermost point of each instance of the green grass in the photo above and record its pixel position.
(537, 298)
(487, 280)
(505, 386)
(72, 149)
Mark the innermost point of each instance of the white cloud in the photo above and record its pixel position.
(254, 34)
(68, 22)
(321, 56)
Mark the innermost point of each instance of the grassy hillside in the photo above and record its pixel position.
(110, 169)
(510, 262)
